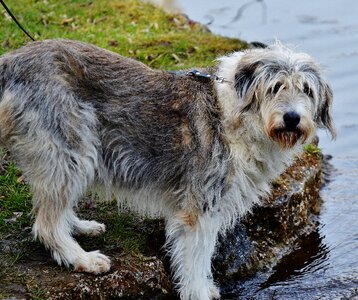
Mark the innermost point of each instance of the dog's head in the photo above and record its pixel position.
(282, 91)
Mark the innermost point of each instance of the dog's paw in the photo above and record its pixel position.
(93, 262)
(204, 291)
(90, 228)
(214, 292)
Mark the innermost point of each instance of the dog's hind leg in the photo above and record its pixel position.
(54, 195)
(191, 240)
(56, 148)
(55, 192)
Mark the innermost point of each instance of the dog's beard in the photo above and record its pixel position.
(287, 138)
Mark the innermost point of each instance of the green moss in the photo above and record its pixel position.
(312, 149)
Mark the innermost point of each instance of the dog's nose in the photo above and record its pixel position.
(291, 119)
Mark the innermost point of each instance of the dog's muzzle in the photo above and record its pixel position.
(288, 132)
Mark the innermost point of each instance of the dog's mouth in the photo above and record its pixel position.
(288, 137)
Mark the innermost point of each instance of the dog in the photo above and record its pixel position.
(199, 148)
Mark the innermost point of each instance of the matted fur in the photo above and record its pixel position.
(199, 152)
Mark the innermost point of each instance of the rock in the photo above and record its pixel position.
(130, 278)
(261, 238)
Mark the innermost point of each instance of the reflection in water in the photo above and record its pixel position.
(310, 256)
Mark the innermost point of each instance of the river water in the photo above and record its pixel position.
(325, 264)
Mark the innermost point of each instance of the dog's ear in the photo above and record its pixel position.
(324, 114)
(245, 81)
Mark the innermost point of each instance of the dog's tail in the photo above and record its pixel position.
(2, 76)
(6, 100)
(2, 83)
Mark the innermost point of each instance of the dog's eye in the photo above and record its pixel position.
(276, 88)
(307, 90)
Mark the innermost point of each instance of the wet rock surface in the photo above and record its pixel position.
(257, 242)
(261, 238)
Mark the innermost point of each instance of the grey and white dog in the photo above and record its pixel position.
(200, 152)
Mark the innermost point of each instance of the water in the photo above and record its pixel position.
(325, 264)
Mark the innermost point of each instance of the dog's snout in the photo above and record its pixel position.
(291, 119)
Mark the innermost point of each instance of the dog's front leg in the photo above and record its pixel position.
(191, 239)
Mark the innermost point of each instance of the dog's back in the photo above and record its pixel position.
(106, 117)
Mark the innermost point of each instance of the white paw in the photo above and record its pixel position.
(91, 228)
(92, 262)
(214, 292)
(205, 290)
(199, 292)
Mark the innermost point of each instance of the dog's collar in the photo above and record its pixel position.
(198, 74)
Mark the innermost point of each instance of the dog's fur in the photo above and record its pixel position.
(199, 152)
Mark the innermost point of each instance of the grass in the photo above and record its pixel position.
(128, 27)
(15, 199)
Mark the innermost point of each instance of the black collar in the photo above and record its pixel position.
(200, 75)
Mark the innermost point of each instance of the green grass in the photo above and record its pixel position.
(122, 229)
(15, 199)
(131, 28)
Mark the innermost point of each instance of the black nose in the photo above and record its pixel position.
(291, 119)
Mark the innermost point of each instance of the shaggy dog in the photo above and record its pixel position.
(198, 149)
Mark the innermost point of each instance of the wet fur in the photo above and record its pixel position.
(199, 152)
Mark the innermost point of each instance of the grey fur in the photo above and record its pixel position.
(198, 152)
